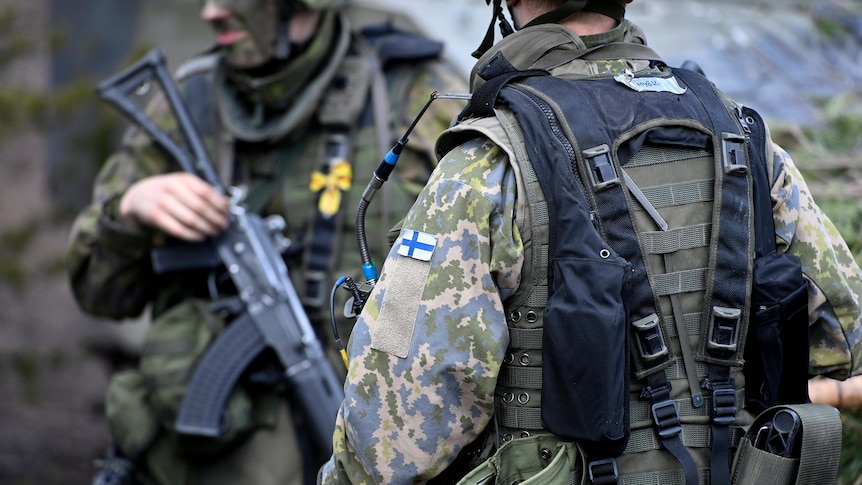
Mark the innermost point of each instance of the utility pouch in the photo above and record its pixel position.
(785, 445)
(776, 350)
(585, 355)
(776, 354)
(173, 345)
(541, 459)
(132, 422)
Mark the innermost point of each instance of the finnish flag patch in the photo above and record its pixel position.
(417, 245)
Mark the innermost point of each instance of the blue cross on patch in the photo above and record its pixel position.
(417, 245)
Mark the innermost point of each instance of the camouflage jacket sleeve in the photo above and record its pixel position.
(834, 278)
(427, 349)
(108, 262)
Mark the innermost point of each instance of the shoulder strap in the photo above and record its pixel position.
(764, 225)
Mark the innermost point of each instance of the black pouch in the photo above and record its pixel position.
(776, 353)
(776, 349)
(585, 355)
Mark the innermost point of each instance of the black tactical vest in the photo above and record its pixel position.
(645, 187)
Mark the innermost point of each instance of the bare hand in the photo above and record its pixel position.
(179, 204)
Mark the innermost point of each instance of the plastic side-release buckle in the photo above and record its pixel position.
(724, 328)
(314, 292)
(649, 338)
(602, 172)
(733, 149)
(603, 471)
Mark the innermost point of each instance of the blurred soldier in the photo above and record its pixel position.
(610, 273)
(295, 101)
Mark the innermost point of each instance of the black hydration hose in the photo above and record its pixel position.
(380, 176)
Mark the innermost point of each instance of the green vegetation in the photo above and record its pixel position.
(12, 245)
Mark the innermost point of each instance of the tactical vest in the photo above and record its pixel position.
(628, 330)
(352, 122)
(143, 403)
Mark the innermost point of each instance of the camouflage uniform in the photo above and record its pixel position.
(109, 266)
(426, 352)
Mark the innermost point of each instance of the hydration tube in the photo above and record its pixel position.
(380, 175)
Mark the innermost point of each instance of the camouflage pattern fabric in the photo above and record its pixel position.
(111, 274)
(414, 402)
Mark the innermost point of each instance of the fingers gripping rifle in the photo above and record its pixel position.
(273, 315)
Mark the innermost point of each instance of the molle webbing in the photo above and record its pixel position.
(632, 122)
(524, 310)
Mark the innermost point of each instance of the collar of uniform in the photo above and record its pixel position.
(617, 34)
(276, 89)
(532, 47)
(256, 109)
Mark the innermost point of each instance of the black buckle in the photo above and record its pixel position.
(601, 167)
(734, 149)
(724, 328)
(723, 405)
(649, 338)
(665, 415)
(603, 471)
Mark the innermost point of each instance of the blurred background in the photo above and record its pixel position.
(799, 63)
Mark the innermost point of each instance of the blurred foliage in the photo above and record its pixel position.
(25, 106)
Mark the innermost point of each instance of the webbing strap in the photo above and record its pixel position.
(663, 477)
(678, 239)
(525, 338)
(666, 418)
(693, 436)
(723, 413)
(819, 450)
(821, 443)
(321, 239)
(693, 322)
(686, 281)
(521, 377)
(520, 417)
(683, 193)
(640, 410)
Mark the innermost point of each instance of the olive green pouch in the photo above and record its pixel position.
(812, 444)
(536, 460)
(131, 420)
(173, 345)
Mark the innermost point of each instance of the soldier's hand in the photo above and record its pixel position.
(179, 204)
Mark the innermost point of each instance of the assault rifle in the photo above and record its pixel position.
(271, 315)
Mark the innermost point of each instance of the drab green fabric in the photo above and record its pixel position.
(537, 460)
(142, 404)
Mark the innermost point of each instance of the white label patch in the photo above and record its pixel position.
(650, 84)
(417, 245)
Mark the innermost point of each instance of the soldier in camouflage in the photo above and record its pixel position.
(427, 351)
(296, 99)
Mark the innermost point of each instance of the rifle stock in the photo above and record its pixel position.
(248, 249)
